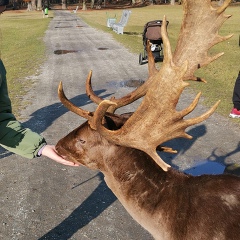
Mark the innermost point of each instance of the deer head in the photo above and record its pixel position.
(156, 120)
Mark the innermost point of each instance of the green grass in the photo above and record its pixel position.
(22, 50)
(220, 74)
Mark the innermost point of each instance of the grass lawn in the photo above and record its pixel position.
(220, 75)
(22, 50)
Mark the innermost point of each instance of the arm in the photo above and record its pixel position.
(24, 142)
(15, 137)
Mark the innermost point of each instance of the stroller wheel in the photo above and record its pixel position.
(140, 59)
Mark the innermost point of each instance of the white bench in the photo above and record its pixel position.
(75, 11)
(111, 20)
(118, 27)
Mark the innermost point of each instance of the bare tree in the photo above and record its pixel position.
(39, 5)
(84, 7)
(92, 3)
(64, 4)
(33, 3)
(29, 6)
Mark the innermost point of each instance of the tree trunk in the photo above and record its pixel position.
(92, 4)
(29, 8)
(64, 4)
(33, 2)
(84, 7)
(172, 2)
(39, 5)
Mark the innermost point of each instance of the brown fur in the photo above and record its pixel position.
(170, 205)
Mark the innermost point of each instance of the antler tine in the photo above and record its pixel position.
(100, 113)
(224, 6)
(202, 117)
(167, 46)
(89, 91)
(182, 124)
(69, 105)
(151, 62)
(129, 98)
(191, 107)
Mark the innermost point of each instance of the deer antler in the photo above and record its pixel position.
(129, 98)
(156, 120)
(199, 32)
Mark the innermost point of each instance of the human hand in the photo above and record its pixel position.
(50, 152)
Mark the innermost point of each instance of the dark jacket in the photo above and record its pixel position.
(13, 136)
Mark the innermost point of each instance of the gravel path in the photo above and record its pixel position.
(43, 200)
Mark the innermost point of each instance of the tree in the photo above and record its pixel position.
(33, 5)
(29, 6)
(84, 7)
(64, 4)
(92, 4)
(39, 5)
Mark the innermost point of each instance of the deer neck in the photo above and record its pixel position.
(135, 179)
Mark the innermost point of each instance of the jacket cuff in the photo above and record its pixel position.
(38, 152)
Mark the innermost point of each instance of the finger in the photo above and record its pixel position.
(68, 163)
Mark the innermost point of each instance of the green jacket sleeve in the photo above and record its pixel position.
(13, 136)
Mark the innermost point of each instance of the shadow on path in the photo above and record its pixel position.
(182, 144)
(99, 200)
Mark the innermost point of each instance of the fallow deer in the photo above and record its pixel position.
(169, 204)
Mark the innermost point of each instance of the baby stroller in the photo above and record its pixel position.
(152, 32)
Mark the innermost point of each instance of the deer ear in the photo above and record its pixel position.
(115, 122)
(110, 123)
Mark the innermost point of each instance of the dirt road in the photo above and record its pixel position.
(40, 199)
